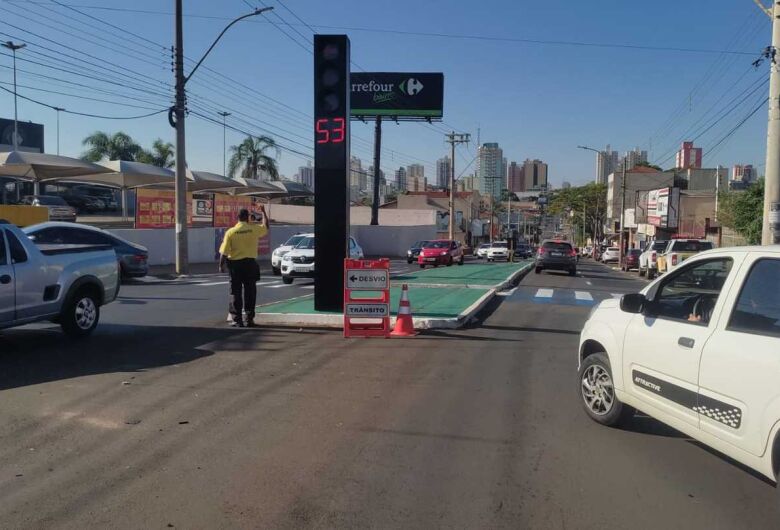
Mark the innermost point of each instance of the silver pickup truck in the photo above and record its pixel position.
(66, 284)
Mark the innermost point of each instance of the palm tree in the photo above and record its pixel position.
(249, 158)
(102, 146)
(161, 155)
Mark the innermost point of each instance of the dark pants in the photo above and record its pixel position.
(244, 274)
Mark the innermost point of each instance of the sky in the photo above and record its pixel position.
(539, 78)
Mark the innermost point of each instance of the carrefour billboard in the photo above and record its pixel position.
(397, 94)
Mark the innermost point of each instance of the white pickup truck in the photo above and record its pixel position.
(697, 349)
(61, 283)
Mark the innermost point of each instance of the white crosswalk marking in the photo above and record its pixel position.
(279, 285)
(307, 286)
(544, 293)
(583, 295)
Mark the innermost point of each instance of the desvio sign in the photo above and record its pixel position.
(397, 94)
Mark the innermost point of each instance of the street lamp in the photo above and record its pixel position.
(13, 47)
(176, 118)
(58, 109)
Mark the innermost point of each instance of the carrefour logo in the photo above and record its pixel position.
(411, 86)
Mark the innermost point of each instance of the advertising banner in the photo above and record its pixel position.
(397, 94)
(30, 135)
(663, 207)
(157, 209)
(203, 209)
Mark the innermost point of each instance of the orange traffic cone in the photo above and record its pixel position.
(404, 325)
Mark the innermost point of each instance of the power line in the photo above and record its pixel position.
(54, 107)
(129, 105)
(729, 134)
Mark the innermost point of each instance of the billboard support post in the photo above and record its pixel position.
(377, 171)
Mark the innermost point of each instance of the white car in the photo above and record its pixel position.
(281, 250)
(299, 262)
(482, 250)
(697, 349)
(610, 254)
(648, 260)
(498, 250)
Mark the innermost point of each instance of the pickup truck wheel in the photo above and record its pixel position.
(642, 271)
(287, 280)
(598, 392)
(80, 315)
(651, 274)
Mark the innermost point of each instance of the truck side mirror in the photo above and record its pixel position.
(633, 303)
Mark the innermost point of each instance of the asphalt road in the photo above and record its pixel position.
(153, 424)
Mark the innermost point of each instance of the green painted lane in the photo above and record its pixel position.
(471, 273)
(430, 302)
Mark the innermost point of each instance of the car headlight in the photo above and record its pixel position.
(408, 252)
(286, 258)
(443, 254)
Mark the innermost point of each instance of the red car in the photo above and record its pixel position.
(441, 252)
(631, 259)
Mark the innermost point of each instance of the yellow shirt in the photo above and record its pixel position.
(241, 241)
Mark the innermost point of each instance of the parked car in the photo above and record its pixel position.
(482, 250)
(59, 210)
(498, 250)
(648, 260)
(441, 252)
(587, 252)
(697, 349)
(414, 251)
(62, 283)
(555, 254)
(82, 203)
(299, 262)
(678, 250)
(133, 258)
(280, 251)
(610, 254)
(631, 260)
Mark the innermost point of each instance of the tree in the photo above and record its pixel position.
(590, 200)
(250, 158)
(102, 146)
(648, 164)
(744, 211)
(162, 154)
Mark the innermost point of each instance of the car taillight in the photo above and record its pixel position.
(139, 257)
(573, 253)
(653, 257)
(674, 259)
(541, 251)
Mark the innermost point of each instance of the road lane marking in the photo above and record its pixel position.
(209, 284)
(544, 293)
(583, 295)
(589, 282)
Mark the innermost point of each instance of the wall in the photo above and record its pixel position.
(389, 241)
(359, 215)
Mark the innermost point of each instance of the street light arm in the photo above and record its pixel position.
(588, 148)
(256, 12)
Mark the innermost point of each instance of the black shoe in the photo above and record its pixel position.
(250, 323)
(236, 324)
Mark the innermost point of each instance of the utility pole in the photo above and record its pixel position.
(58, 109)
(771, 228)
(377, 158)
(180, 185)
(622, 214)
(176, 116)
(224, 144)
(453, 139)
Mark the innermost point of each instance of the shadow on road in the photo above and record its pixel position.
(531, 330)
(33, 356)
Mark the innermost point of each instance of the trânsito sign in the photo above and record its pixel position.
(397, 94)
(367, 310)
(367, 279)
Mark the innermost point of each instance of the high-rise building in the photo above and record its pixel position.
(357, 175)
(306, 175)
(535, 175)
(746, 173)
(607, 162)
(443, 170)
(565, 185)
(515, 177)
(634, 158)
(688, 156)
(490, 171)
(415, 177)
(400, 179)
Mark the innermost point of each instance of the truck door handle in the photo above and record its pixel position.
(5, 279)
(686, 342)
